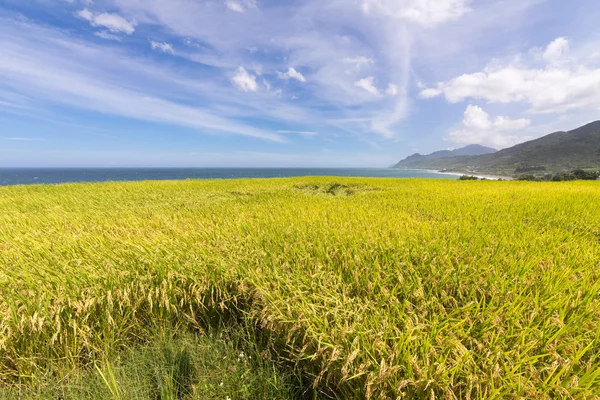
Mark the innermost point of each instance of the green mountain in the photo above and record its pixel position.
(425, 161)
(559, 151)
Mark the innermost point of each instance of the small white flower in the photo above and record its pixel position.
(221, 384)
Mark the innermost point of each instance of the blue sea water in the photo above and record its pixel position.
(30, 176)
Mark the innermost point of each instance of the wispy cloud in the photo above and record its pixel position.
(112, 22)
(292, 74)
(162, 46)
(108, 36)
(23, 139)
(425, 12)
(358, 61)
(304, 133)
(324, 54)
(240, 5)
(80, 76)
(247, 67)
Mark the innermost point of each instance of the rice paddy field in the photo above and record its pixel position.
(341, 288)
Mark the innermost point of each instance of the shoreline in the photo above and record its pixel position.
(490, 177)
(480, 176)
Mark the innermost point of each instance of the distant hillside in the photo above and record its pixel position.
(559, 151)
(427, 160)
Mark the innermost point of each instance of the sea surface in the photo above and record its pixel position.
(31, 176)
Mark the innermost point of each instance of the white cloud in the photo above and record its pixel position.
(107, 36)
(292, 74)
(313, 34)
(107, 81)
(367, 84)
(244, 81)
(392, 90)
(190, 42)
(478, 119)
(269, 88)
(240, 5)
(478, 128)
(552, 89)
(257, 68)
(23, 139)
(557, 50)
(86, 14)
(164, 47)
(303, 133)
(430, 93)
(112, 22)
(423, 12)
(358, 61)
(433, 12)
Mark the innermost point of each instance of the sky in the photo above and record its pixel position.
(288, 83)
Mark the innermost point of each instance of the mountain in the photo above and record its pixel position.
(471, 150)
(559, 151)
(417, 160)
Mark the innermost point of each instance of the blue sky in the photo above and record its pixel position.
(337, 83)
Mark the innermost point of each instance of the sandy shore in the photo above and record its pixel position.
(480, 176)
(491, 177)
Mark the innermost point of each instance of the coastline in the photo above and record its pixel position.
(37, 176)
(480, 176)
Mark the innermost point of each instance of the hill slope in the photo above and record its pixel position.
(418, 160)
(579, 148)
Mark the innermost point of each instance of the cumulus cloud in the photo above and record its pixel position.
(244, 81)
(479, 128)
(112, 22)
(551, 89)
(164, 47)
(292, 74)
(240, 5)
(557, 50)
(430, 93)
(423, 12)
(476, 118)
(368, 85)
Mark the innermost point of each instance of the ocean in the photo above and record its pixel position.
(31, 176)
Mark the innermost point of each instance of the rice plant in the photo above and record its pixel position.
(368, 288)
